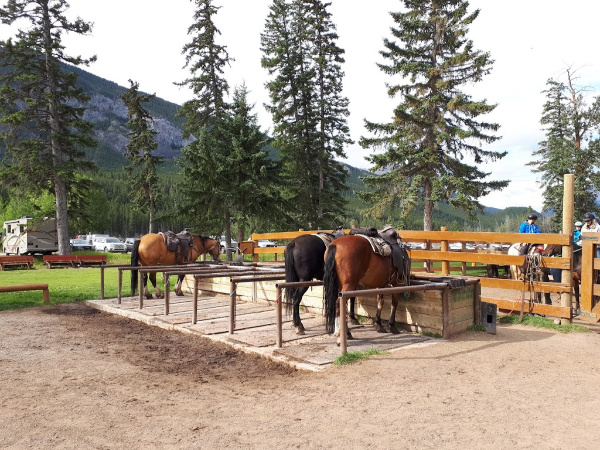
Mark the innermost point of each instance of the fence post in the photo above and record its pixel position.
(567, 250)
(444, 248)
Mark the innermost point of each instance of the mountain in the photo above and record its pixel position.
(109, 115)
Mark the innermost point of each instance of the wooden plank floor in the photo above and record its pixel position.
(256, 329)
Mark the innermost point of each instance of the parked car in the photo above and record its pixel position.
(234, 245)
(266, 243)
(129, 244)
(80, 244)
(109, 244)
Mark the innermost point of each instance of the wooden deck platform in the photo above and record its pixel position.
(255, 329)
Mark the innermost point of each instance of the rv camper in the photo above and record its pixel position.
(24, 236)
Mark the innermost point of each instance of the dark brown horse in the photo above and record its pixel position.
(351, 262)
(151, 250)
(556, 249)
(304, 260)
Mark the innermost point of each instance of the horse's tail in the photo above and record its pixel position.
(291, 275)
(330, 289)
(135, 261)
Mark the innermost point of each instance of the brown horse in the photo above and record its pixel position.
(151, 250)
(351, 262)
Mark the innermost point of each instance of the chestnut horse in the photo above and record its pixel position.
(304, 262)
(351, 262)
(151, 250)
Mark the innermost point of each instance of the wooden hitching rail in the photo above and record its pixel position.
(73, 260)
(29, 287)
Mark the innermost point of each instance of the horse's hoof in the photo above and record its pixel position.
(380, 329)
(148, 296)
(300, 331)
(354, 321)
(179, 294)
(338, 342)
(394, 330)
(337, 333)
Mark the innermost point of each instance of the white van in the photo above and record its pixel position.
(25, 237)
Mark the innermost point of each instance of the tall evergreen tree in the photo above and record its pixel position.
(44, 132)
(307, 106)
(434, 126)
(568, 123)
(206, 117)
(139, 151)
(254, 176)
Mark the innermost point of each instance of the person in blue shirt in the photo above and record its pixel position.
(577, 232)
(529, 226)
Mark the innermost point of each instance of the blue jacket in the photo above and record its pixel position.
(526, 228)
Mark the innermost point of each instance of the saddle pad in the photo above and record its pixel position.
(327, 238)
(378, 245)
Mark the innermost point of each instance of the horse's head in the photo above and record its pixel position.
(213, 248)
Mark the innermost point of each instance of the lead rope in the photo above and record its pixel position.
(533, 267)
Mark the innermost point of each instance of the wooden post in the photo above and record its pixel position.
(120, 291)
(586, 290)
(279, 319)
(167, 289)
(343, 325)
(141, 286)
(232, 288)
(195, 302)
(567, 250)
(444, 248)
(102, 283)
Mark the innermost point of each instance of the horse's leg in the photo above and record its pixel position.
(392, 320)
(178, 290)
(352, 316)
(157, 290)
(337, 324)
(546, 278)
(377, 322)
(300, 330)
(147, 293)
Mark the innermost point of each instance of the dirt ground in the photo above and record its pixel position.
(74, 377)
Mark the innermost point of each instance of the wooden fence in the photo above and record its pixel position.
(445, 251)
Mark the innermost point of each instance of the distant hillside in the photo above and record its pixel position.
(109, 115)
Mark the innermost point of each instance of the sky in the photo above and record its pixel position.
(530, 41)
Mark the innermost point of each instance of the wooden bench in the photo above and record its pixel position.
(73, 260)
(16, 261)
(50, 260)
(29, 287)
(91, 259)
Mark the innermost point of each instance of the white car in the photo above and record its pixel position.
(266, 243)
(234, 245)
(109, 244)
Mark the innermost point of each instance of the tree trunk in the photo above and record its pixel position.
(60, 187)
(427, 214)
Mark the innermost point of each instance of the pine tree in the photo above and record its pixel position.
(44, 132)
(569, 123)
(434, 126)
(255, 180)
(206, 116)
(139, 152)
(308, 110)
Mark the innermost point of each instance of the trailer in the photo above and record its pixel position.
(25, 236)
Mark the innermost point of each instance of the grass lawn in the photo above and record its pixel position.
(66, 284)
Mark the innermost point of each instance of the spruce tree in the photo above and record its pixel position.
(254, 177)
(568, 123)
(434, 127)
(206, 116)
(42, 116)
(139, 152)
(309, 113)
